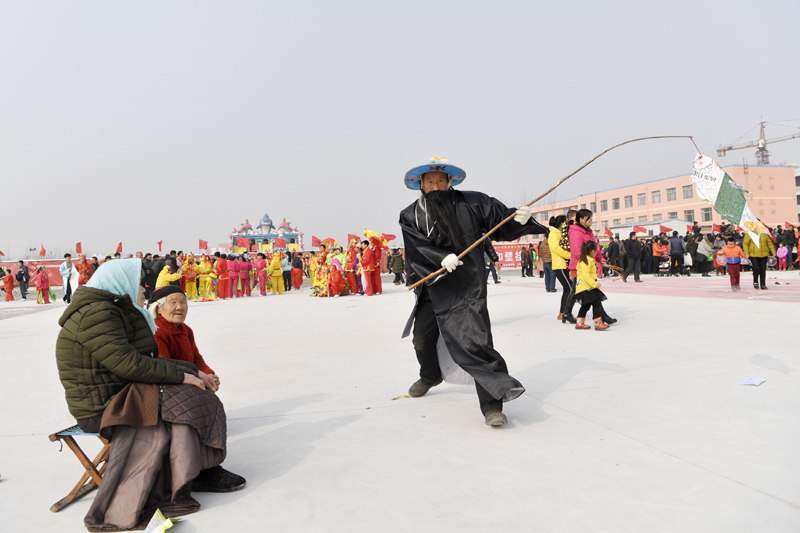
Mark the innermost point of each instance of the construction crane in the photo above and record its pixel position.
(762, 154)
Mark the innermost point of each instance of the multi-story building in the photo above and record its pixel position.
(773, 195)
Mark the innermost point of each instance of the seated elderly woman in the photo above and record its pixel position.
(167, 432)
(169, 308)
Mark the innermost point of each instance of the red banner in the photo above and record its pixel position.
(689, 228)
(203, 244)
(510, 254)
(51, 267)
(639, 229)
(315, 242)
(664, 229)
(241, 242)
(388, 237)
(716, 228)
(78, 249)
(279, 243)
(608, 232)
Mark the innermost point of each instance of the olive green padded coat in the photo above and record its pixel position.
(104, 343)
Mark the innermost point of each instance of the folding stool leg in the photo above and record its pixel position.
(82, 487)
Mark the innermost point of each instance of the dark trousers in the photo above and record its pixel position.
(491, 270)
(68, 292)
(549, 276)
(759, 270)
(597, 310)
(676, 264)
(530, 270)
(426, 336)
(23, 289)
(701, 264)
(648, 264)
(562, 275)
(633, 266)
(398, 277)
(524, 270)
(287, 280)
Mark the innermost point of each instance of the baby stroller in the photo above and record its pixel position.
(663, 266)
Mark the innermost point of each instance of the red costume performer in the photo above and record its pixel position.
(244, 275)
(233, 277)
(8, 285)
(371, 266)
(84, 270)
(261, 272)
(177, 342)
(221, 270)
(349, 267)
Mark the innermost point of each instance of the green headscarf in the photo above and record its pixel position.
(121, 277)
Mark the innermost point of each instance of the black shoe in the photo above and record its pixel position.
(419, 388)
(755, 286)
(763, 287)
(568, 318)
(608, 320)
(217, 479)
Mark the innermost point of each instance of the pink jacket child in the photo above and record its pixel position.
(782, 252)
(577, 236)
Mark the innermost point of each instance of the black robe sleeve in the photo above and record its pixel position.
(422, 257)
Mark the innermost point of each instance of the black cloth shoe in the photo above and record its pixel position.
(568, 318)
(763, 287)
(419, 388)
(217, 479)
(608, 320)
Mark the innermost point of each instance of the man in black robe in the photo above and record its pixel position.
(437, 227)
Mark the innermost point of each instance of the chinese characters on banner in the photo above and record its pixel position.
(510, 254)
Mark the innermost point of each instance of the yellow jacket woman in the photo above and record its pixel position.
(765, 247)
(165, 277)
(560, 256)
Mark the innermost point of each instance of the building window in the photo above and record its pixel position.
(629, 201)
(706, 214)
(593, 207)
(657, 218)
(605, 223)
(688, 216)
(672, 214)
(643, 219)
(650, 232)
(615, 203)
(583, 206)
(671, 195)
(566, 210)
(544, 216)
(642, 198)
(603, 205)
(616, 222)
(533, 216)
(687, 192)
(656, 197)
(629, 220)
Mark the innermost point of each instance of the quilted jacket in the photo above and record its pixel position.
(105, 343)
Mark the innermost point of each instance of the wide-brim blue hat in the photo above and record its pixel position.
(413, 177)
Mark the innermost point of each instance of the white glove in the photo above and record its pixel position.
(523, 214)
(451, 262)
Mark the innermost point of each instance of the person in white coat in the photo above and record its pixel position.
(70, 276)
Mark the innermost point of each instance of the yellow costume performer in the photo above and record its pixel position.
(206, 272)
(312, 271)
(276, 273)
(190, 275)
(164, 277)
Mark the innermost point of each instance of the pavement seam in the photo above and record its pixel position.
(791, 504)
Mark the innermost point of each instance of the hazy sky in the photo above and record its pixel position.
(143, 121)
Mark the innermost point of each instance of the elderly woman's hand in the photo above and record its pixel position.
(210, 381)
(191, 379)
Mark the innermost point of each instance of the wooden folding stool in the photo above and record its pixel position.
(91, 478)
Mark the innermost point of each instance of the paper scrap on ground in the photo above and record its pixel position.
(752, 381)
(714, 185)
(159, 524)
(403, 396)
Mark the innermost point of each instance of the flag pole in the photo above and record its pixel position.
(551, 189)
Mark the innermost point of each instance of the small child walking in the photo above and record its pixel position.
(734, 255)
(783, 251)
(588, 292)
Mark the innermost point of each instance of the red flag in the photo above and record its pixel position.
(203, 245)
(159, 245)
(716, 228)
(119, 248)
(739, 228)
(793, 226)
(1, 253)
(388, 237)
(315, 242)
(688, 228)
(351, 238)
(43, 252)
(241, 242)
(78, 249)
(608, 232)
(664, 229)
(279, 243)
(639, 229)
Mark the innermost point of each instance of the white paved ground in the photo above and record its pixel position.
(642, 428)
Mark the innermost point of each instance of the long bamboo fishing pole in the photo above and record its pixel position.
(551, 189)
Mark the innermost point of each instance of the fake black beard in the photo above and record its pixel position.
(441, 209)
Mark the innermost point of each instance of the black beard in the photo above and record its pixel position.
(441, 209)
